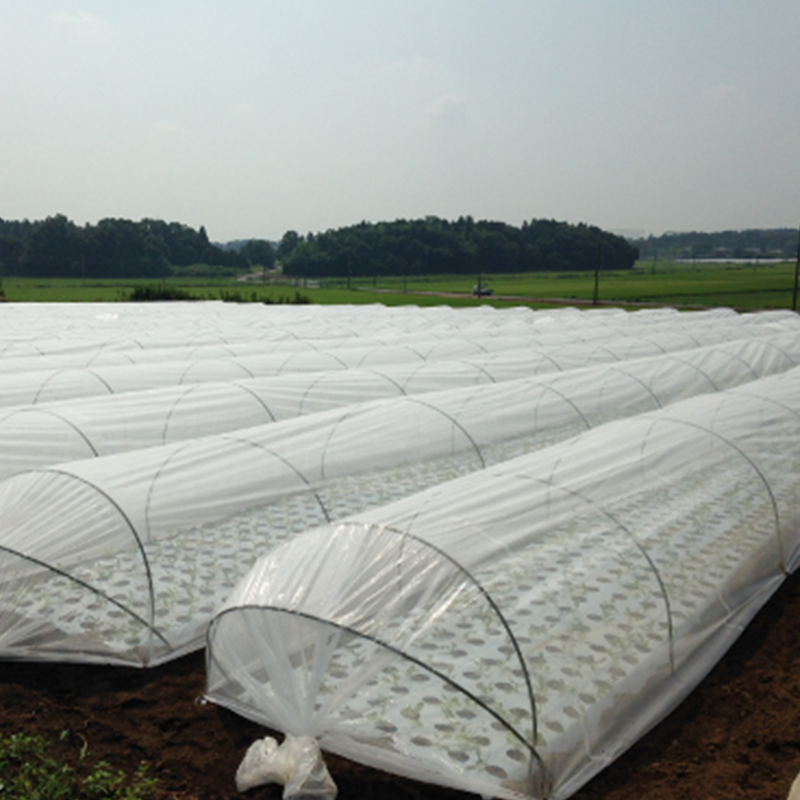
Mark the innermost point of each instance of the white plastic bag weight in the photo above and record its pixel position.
(296, 764)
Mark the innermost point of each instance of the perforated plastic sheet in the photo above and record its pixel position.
(533, 538)
(513, 631)
(186, 520)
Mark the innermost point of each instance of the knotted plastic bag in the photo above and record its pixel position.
(296, 764)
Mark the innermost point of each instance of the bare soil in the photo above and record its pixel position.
(737, 736)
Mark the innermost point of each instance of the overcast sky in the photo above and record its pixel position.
(253, 117)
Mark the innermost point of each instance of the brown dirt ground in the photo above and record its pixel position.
(737, 736)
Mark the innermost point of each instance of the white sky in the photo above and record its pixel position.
(253, 117)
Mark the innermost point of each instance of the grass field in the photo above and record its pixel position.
(741, 286)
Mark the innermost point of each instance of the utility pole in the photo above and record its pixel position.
(596, 274)
(796, 274)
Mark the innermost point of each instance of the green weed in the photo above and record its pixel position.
(28, 772)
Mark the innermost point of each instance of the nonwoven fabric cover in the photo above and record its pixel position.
(513, 631)
(46, 433)
(124, 558)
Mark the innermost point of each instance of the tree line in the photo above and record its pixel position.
(119, 248)
(115, 248)
(751, 243)
(466, 246)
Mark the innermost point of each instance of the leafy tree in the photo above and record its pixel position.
(124, 249)
(53, 248)
(10, 251)
(287, 244)
(259, 252)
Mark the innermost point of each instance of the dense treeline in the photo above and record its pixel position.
(113, 248)
(436, 246)
(117, 248)
(754, 243)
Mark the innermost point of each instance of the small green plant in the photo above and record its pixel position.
(150, 292)
(298, 300)
(236, 297)
(27, 772)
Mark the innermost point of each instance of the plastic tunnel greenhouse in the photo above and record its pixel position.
(511, 632)
(124, 558)
(44, 433)
(367, 493)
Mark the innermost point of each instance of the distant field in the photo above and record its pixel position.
(669, 283)
(65, 290)
(741, 286)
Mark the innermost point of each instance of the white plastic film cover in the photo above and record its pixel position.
(469, 571)
(511, 632)
(190, 518)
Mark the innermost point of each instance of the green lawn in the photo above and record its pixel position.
(667, 283)
(65, 290)
(713, 285)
